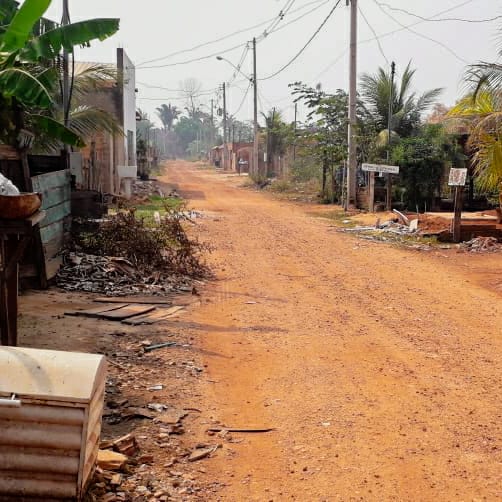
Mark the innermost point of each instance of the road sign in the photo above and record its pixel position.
(458, 177)
(380, 168)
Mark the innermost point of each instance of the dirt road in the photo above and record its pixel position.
(378, 367)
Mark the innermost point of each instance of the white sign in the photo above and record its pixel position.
(458, 177)
(380, 168)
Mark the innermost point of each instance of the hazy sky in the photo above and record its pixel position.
(153, 29)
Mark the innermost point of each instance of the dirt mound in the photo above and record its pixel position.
(432, 224)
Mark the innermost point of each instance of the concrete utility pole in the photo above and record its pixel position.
(224, 126)
(389, 134)
(352, 164)
(66, 68)
(256, 162)
(296, 123)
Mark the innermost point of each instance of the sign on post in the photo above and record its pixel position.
(457, 178)
(380, 168)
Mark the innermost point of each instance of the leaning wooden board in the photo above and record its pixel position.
(96, 312)
(140, 300)
(153, 317)
(126, 312)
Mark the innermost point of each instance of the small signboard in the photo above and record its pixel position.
(458, 177)
(380, 168)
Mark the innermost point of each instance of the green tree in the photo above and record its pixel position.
(376, 91)
(29, 70)
(421, 159)
(167, 115)
(279, 135)
(324, 135)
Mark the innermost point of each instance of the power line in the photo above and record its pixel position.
(225, 37)
(210, 91)
(461, 20)
(387, 34)
(193, 60)
(298, 54)
(404, 27)
(380, 48)
(441, 44)
(280, 17)
(299, 18)
(243, 100)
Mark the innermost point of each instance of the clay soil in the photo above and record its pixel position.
(378, 367)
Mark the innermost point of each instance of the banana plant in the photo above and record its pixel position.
(29, 69)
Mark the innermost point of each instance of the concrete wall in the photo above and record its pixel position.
(127, 72)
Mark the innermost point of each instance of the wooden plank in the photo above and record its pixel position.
(126, 312)
(140, 300)
(56, 196)
(153, 317)
(53, 231)
(95, 312)
(57, 213)
(46, 182)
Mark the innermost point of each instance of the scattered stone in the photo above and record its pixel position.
(111, 461)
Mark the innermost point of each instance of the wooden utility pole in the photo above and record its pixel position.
(389, 135)
(457, 216)
(256, 163)
(224, 126)
(352, 164)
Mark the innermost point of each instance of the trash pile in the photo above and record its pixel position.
(114, 276)
(125, 255)
(482, 245)
(142, 189)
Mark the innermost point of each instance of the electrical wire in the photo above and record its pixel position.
(380, 48)
(425, 37)
(202, 58)
(383, 35)
(298, 54)
(283, 12)
(299, 18)
(225, 37)
(209, 91)
(461, 20)
(243, 100)
(389, 33)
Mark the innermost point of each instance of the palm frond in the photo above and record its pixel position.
(87, 121)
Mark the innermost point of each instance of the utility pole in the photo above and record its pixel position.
(66, 72)
(224, 127)
(256, 163)
(352, 164)
(212, 121)
(296, 122)
(389, 135)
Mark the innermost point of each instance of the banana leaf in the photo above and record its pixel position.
(21, 27)
(56, 130)
(50, 44)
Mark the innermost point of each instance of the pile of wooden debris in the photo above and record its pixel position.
(482, 245)
(115, 276)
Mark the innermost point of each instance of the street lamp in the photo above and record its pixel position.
(247, 77)
(254, 81)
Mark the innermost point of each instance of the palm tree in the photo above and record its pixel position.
(29, 69)
(480, 114)
(407, 107)
(168, 114)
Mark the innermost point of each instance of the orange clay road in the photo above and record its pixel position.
(379, 367)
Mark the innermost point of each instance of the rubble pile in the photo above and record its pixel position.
(482, 245)
(114, 276)
(145, 189)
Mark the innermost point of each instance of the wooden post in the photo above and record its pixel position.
(371, 194)
(457, 218)
(388, 200)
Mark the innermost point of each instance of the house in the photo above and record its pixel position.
(109, 158)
